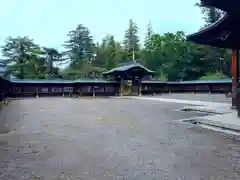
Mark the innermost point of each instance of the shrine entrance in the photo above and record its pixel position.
(130, 76)
(127, 88)
(131, 87)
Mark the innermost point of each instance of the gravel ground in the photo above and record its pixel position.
(110, 139)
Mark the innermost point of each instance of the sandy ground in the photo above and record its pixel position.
(110, 139)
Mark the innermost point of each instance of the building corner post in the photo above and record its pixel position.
(234, 76)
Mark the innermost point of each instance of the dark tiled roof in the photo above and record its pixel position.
(154, 82)
(210, 27)
(203, 81)
(31, 81)
(190, 82)
(213, 35)
(230, 6)
(224, 33)
(93, 81)
(127, 66)
(60, 81)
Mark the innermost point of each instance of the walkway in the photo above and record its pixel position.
(225, 118)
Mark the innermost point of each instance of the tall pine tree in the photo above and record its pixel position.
(131, 41)
(80, 47)
(148, 37)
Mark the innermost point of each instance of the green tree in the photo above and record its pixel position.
(80, 50)
(214, 76)
(80, 46)
(52, 56)
(109, 53)
(131, 40)
(210, 14)
(148, 37)
(18, 53)
(169, 55)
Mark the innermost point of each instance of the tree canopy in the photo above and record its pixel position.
(170, 55)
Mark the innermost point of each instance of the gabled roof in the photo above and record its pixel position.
(224, 33)
(230, 6)
(127, 66)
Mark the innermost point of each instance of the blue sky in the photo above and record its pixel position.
(48, 21)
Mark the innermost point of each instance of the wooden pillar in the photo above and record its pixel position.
(104, 89)
(2, 99)
(80, 90)
(234, 76)
(37, 92)
(93, 90)
(140, 87)
(121, 87)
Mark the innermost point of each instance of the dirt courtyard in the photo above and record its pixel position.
(110, 139)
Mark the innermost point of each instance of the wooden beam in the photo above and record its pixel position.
(234, 76)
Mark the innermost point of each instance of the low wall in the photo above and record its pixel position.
(57, 88)
(224, 87)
